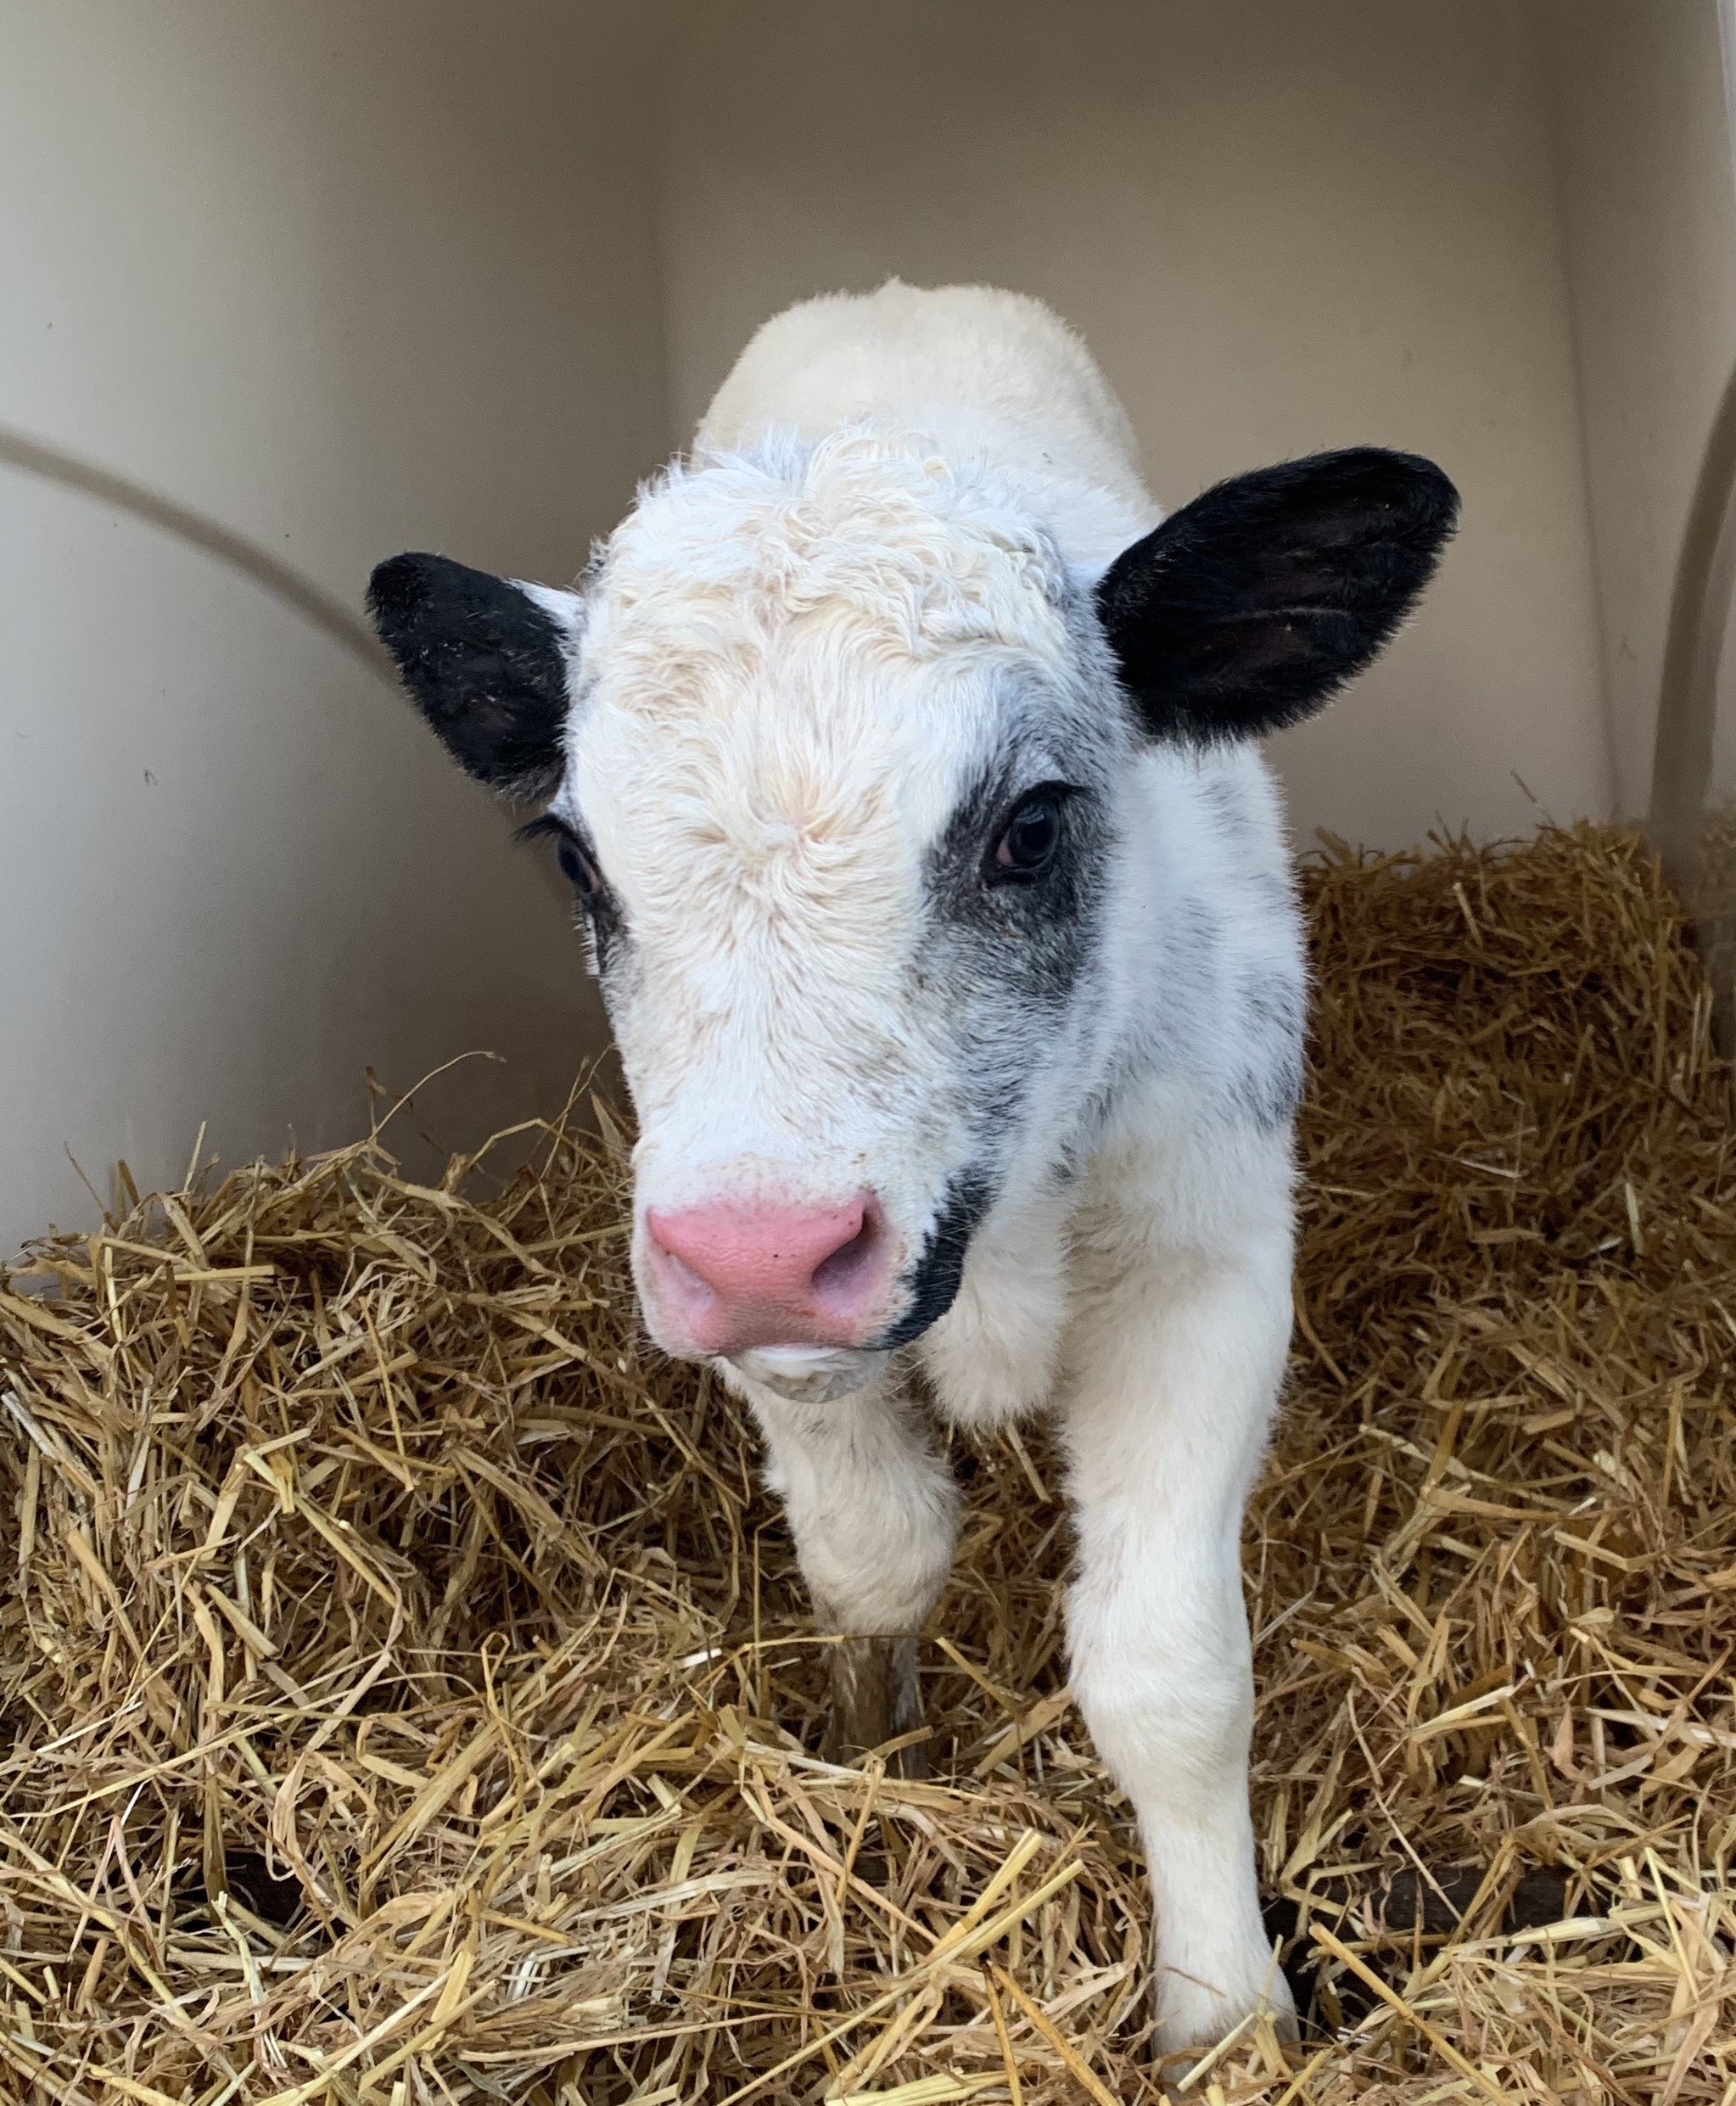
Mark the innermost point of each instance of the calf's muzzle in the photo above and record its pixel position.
(728, 1278)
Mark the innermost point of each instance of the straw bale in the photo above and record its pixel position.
(406, 1694)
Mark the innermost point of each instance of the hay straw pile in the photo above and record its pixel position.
(405, 1695)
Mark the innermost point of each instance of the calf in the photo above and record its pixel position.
(902, 757)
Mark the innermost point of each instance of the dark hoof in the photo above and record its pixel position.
(874, 1700)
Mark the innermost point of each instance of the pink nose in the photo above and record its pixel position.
(734, 1277)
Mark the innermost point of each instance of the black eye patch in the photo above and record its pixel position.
(1015, 888)
(1011, 851)
(1012, 886)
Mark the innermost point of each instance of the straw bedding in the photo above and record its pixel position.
(405, 1695)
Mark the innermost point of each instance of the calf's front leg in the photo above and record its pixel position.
(875, 1515)
(1174, 1381)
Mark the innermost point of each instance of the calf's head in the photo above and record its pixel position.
(841, 758)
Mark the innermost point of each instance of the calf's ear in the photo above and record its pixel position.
(485, 660)
(1250, 607)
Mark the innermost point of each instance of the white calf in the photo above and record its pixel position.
(903, 764)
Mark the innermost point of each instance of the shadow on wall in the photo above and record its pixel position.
(54, 464)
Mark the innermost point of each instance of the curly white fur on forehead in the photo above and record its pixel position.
(869, 534)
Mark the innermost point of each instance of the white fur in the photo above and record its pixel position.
(874, 1513)
(798, 652)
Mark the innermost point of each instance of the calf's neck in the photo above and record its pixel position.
(903, 758)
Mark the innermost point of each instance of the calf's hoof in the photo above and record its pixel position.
(1193, 2015)
(874, 1699)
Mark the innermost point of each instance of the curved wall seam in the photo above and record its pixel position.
(1694, 643)
(1693, 648)
(323, 609)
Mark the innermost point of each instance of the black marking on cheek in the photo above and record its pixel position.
(935, 1278)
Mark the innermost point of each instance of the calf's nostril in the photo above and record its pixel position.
(682, 1272)
(847, 1265)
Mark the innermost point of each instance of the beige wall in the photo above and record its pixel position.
(1650, 219)
(346, 279)
(1281, 224)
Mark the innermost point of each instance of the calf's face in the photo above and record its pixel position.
(840, 757)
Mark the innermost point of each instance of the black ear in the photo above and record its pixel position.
(484, 662)
(1249, 608)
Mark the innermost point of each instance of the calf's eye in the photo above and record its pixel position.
(1030, 837)
(574, 859)
(580, 872)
